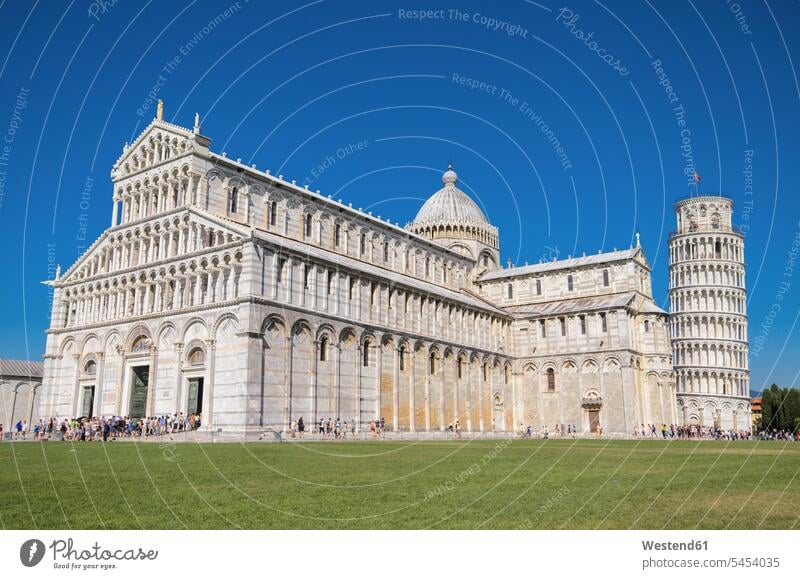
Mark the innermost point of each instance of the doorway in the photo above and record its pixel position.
(499, 423)
(88, 401)
(139, 384)
(195, 403)
(594, 421)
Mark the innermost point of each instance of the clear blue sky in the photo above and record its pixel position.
(288, 85)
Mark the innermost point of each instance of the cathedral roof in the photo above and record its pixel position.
(571, 263)
(588, 304)
(450, 205)
(21, 368)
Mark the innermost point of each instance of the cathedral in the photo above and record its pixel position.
(223, 290)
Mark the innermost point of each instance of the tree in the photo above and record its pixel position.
(780, 408)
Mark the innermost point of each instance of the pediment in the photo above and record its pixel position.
(84, 269)
(641, 257)
(168, 139)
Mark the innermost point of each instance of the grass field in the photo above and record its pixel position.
(393, 485)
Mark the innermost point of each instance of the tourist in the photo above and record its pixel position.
(301, 427)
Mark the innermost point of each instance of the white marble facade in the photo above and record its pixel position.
(222, 288)
(708, 314)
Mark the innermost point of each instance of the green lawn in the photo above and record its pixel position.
(398, 485)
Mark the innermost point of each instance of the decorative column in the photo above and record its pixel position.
(13, 409)
(115, 212)
(396, 392)
(470, 388)
(314, 384)
(359, 365)
(442, 368)
(481, 397)
(32, 405)
(207, 416)
(118, 388)
(179, 376)
(427, 395)
(287, 396)
(337, 380)
(98, 385)
(151, 381)
(76, 385)
(412, 411)
(379, 370)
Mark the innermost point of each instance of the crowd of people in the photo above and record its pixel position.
(105, 428)
(102, 428)
(689, 431)
(780, 435)
(327, 428)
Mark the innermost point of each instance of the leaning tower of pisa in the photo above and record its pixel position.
(708, 316)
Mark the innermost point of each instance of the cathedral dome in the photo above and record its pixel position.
(450, 205)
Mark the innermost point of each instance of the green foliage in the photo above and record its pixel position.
(780, 408)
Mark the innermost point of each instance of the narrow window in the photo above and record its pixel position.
(538, 287)
(352, 288)
(385, 251)
(510, 291)
(363, 244)
(432, 364)
(323, 349)
(603, 323)
(330, 282)
(281, 265)
(365, 361)
(309, 225)
(569, 283)
(563, 326)
(647, 325)
(372, 290)
(583, 325)
(543, 327)
(337, 235)
(427, 266)
(605, 277)
(460, 368)
(551, 380)
(234, 199)
(402, 357)
(306, 272)
(273, 213)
